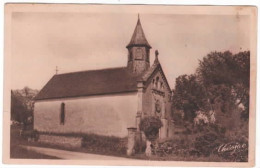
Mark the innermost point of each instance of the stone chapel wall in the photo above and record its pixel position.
(108, 115)
(149, 98)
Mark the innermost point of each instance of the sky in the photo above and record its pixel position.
(77, 41)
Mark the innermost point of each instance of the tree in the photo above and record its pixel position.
(22, 104)
(242, 86)
(189, 96)
(221, 83)
(18, 109)
(225, 78)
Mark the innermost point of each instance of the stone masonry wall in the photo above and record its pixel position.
(149, 103)
(74, 142)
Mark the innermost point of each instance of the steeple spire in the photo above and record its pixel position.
(138, 51)
(138, 38)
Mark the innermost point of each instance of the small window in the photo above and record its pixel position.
(139, 54)
(130, 55)
(162, 87)
(154, 83)
(157, 82)
(62, 114)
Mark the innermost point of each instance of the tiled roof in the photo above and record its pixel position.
(85, 83)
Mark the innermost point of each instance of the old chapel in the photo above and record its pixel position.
(107, 101)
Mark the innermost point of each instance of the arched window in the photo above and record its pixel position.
(154, 83)
(62, 114)
(157, 82)
(162, 87)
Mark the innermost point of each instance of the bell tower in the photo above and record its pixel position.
(138, 51)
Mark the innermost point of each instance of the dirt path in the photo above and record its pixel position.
(63, 154)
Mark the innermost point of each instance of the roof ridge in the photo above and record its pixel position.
(103, 69)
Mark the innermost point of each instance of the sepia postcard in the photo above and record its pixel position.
(129, 85)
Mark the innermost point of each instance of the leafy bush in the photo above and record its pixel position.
(238, 139)
(206, 142)
(150, 126)
(178, 147)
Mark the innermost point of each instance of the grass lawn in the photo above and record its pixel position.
(18, 152)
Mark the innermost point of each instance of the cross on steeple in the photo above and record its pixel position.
(156, 60)
(56, 70)
(156, 54)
